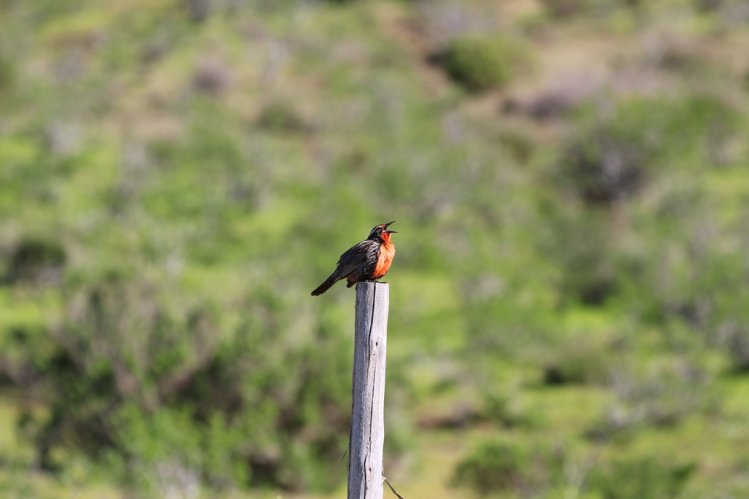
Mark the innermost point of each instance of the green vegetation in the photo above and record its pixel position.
(484, 62)
(641, 478)
(568, 304)
(496, 467)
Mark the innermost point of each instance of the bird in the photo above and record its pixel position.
(368, 260)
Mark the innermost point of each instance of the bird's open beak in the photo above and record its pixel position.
(390, 231)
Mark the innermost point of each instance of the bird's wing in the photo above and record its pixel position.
(357, 258)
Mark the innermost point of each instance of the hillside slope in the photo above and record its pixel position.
(570, 185)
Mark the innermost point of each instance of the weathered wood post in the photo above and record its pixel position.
(367, 411)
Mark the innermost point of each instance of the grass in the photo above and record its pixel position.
(332, 117)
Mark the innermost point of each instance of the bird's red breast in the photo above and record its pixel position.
(385, 258)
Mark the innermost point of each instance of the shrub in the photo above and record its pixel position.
(566, 8)
(606, 165)
(621, 164)
(614, 154)
(733, 335)
(36, 260)
(708, 5)
(570, 8)
(278, 116)
(663, 396)
(640, 478)
(8, 73)
(583, 246)
(169, 452)
(482, 62)
(150, 381)
(500, 466)
(198, 10)
(578, 362)
(671, 51)
(211, 77)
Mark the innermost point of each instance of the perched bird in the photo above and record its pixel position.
(367, 261)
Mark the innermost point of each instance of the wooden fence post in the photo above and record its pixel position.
(368, 404)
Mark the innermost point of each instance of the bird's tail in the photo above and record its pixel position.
(325, 285)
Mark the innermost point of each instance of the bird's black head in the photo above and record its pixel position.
(381, 232)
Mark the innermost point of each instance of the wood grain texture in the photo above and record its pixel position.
(368, 404)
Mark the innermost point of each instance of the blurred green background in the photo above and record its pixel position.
(569, 305)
